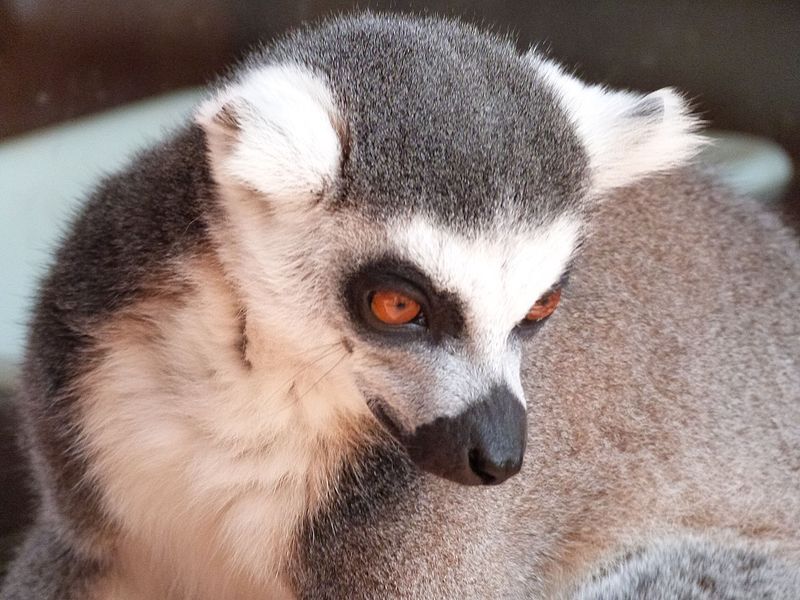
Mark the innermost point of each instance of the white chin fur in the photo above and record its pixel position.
(274, 131)
(627, 135)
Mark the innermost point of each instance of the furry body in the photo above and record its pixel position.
(625, 446)
(199, 432)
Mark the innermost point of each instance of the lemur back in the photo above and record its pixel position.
(285, 352)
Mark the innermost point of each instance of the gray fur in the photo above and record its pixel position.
(662, 396)
(694, 570)
(49, 569)
(491, 130)
(126, 233)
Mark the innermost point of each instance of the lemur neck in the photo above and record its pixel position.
(223, 448)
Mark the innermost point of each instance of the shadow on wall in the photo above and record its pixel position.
(16, 501)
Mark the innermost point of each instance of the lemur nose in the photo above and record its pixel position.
(482, 446)
(493, 469)
(499, 441)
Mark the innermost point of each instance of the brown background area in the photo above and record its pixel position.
(739, 60)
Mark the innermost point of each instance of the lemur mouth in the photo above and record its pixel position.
(484, 445)
(382, 413)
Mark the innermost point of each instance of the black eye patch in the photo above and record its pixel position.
(527, 329)
(442, 314)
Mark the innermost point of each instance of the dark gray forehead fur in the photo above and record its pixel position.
(442, 119)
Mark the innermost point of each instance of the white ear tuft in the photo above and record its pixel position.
(275, 131)
(626, 135)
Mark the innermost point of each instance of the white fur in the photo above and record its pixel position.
(208, 466)
(498, 276)
(624, 146)
(274, 131)
(286, 148)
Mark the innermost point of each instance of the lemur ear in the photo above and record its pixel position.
(626, 135)
(276, 131)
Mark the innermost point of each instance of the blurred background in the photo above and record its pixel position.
(740, 59)
(85, 82)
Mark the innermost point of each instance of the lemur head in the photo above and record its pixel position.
(414, 191)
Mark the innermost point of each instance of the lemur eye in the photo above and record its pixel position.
(544, 306)
(394, 308)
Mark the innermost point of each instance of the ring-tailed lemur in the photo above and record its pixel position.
(272, 349)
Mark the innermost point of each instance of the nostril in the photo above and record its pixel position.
(493, 469)
(481, 467)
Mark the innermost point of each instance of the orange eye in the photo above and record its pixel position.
(394, 308)
(544, 306)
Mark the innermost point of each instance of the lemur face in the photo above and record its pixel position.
(414, 191)
(437, 320)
